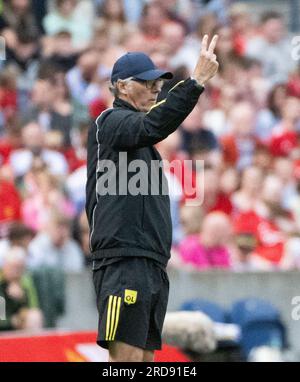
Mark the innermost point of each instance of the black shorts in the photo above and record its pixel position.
(132, 297)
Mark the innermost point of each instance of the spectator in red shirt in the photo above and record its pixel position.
(265, 242)
(242, 26)
(214, 198)
(10, 206)
(10, 202)
(8, 94)
(294, 83)
(284, 138)
(273, 192)
(11, 141)
(248, 197)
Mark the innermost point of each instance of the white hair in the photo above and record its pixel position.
(113, 86)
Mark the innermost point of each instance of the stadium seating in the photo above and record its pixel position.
(260, 324)
(212, 310)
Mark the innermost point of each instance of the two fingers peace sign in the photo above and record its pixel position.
(212, 44)
(207, 65)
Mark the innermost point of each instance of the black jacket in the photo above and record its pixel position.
(132, 225)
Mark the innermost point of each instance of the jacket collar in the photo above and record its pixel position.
(123, 104)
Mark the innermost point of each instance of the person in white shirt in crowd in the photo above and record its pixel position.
(168, 148)
(67, 15)
(241, 125)
(82, 80)
(54, 247)
(75, 185)
(34, 146)
(273, 48)
(284, 169)
(19, 235)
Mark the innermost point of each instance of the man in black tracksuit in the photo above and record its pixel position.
(130, 226)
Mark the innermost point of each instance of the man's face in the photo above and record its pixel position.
(59, 233)
(67, 7)
(14, 270)
(273, 30)
(141, 95)
(173, 37)
(88, 64)
(20, 5)
(43, 94)
(32, 137)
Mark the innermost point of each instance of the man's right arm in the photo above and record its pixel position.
(125, 129)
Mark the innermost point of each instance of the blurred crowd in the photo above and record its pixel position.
(54, 82)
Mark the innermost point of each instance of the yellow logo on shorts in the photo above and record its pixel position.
(130, 296)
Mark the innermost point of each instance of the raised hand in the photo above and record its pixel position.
(207, 65)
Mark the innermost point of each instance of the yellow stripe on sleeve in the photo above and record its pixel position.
(157, 104)
(178, 83)
(164, 100)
